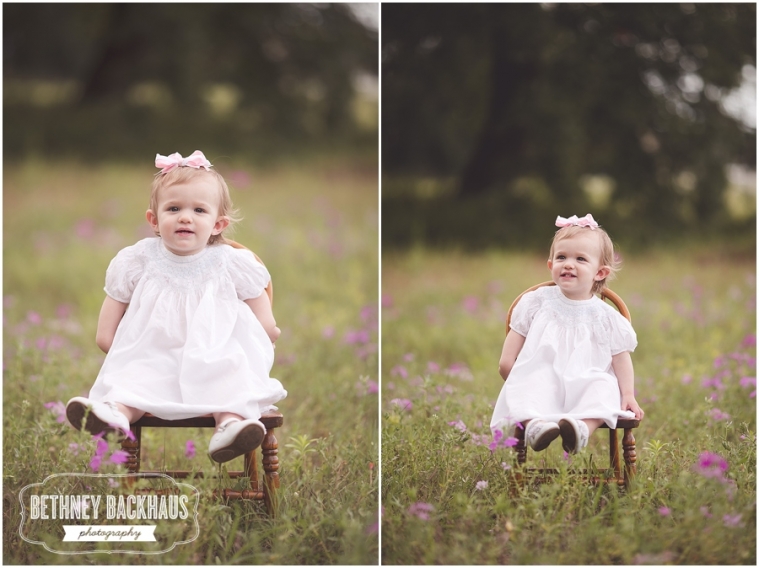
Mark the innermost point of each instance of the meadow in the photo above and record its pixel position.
(448, 491)
(314, 223)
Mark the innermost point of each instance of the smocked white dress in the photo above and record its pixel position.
(564, 368)
(187, 344)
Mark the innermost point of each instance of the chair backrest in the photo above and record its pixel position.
(607, 294)
(269, 287)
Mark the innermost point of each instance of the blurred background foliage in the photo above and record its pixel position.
(119, 80)
(498, 117)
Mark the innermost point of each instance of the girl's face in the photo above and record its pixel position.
(576, 265)
(187, 216)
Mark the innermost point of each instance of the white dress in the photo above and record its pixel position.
(564, 368)
(188, 345)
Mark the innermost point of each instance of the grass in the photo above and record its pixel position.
(448, 499)
(315, 226)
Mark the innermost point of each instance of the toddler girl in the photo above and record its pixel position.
(186, 325)
(567, 354)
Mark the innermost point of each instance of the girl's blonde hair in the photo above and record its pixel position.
(608, 258)
(185, 175)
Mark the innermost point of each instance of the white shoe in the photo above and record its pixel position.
(101, 416)
(540, 433)
(235, 438)
(574, 434)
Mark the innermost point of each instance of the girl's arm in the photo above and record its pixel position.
(511, 348)
(623, 369)
(261, 307)
(110, 316)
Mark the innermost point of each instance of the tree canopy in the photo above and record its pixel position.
(277, 66)
(531, 101)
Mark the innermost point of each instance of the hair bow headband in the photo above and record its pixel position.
(195, 160)
(586, 221)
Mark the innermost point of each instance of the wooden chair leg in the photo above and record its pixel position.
(628, 445)
(614, 461)
(521, 446)
(133, 448)
(270, 449)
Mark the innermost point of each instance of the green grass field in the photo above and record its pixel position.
(315, 226)
(446, 496)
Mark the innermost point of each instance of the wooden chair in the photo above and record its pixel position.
(618, 476)
(265, 489)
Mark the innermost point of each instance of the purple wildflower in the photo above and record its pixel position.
(421, 510)
(731, 520)
(470, 304)
(403, 404)
(119, 456)
(665, 511)
(711, 465)
(433, 367)
(372, 387)
(33, 318)
(57, 408)
(717, 415)
(399, 371)
(459, 425)
(189, 449)
(500, 441)
(481, 485)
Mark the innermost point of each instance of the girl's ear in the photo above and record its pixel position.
(550, 264)
(221, 224)
(602, 273)
(152, 219)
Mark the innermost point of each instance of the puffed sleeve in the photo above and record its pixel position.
(249, 276)
(622, 337)
(524, 312)
(124, 272)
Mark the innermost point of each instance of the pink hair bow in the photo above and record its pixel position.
(195, 160)
(586, 221)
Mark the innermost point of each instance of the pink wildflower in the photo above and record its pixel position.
(433, 367)
(372, 387)
(33, 318)
(403, 404)
(665, 511)
(717, 415)
(119, 456)
(421, 510)
(481, 485)
(57, 408)
(470, 304)
(731, 520)
(399, 371)
(459, 425)
(711, 465)
(189, 449)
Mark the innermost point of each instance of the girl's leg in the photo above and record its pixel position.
(592, 424)
(222, 417)
(132, 414)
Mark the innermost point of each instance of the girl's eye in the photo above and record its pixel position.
(199, 210)
(581, 259)
(174, 208)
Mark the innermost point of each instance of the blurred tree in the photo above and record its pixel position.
(527, 100)
(280, 65)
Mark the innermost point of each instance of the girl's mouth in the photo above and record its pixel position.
(184, 232)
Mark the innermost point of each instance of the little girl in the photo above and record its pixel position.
(567, 354)
(186, 325)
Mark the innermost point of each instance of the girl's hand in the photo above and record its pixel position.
(629, 403)
(274, 334)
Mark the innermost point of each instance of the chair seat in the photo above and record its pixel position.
(624, 423)
(271, 419)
